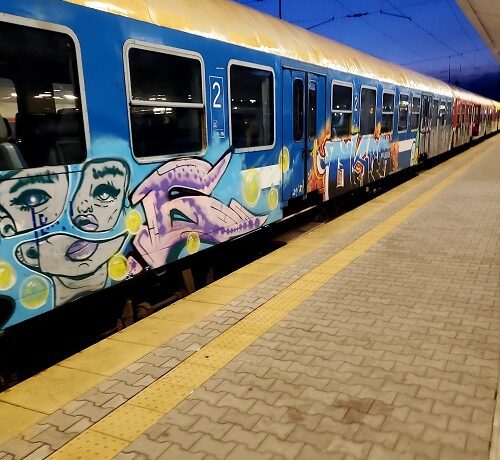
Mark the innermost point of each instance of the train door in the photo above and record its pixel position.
(449, 125)
(425, 128)
(315, 116)
(303, 116)
(434, 141)
(441, 125)
(468, 123)
(475, 120)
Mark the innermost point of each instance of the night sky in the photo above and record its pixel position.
(429, 36)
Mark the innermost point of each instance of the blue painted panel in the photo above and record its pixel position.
(113, 217)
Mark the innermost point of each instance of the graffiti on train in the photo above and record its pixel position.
(31, 201)
(181, 213)
(340, 165)
(90, 229)
(100, 197)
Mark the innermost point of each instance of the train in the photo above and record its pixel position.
(137, 133)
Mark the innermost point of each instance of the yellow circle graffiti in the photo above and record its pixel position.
(193, 243)
(34, 292)
(273, 199)
(250, 187)
(118, 268)
(284, 159)
(133, 222)
(7, 276)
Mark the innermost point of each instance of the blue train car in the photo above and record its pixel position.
(136, 133)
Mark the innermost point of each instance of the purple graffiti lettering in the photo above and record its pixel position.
(177, 203)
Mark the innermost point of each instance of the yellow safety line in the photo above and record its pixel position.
(115, 431)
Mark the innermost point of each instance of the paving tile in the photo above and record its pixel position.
(53, 437)
(106, 357)
(15, 419)
(41, 453)
(51, 389)
(207, 445)
(151, 332)
(19, 448)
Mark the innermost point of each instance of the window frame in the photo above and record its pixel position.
(164, 49)
(393, 93)
(419, 97)
(408, 115)
(54, 27)
(332, 110)
(374, 88)
(251, 65)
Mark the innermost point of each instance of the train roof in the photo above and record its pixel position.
(232, 22)
(472, 97)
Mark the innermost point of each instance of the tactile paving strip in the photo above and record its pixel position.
(119, 425)
(90, 444)
(161, 396)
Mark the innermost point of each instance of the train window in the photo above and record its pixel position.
(367, 116)
(403, 112)
(415, 113)
(341, 110)
(442, 112)
(8, 105)
(298, 110)
(435, 112)
(41, 116)
(252, 106)
(166, 102)
(312, 110)
(387, 112)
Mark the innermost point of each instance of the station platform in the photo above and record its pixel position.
(373, 336)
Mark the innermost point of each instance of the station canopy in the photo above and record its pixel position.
(484, 16)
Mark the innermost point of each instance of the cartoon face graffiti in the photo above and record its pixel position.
(29, 202)
(100, 196)
(76, 266)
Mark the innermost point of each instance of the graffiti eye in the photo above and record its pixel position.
(30, 199)
(176, 215)
(105, 193)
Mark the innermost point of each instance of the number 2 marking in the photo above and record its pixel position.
(216, 86)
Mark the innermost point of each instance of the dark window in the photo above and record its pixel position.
(442, 113)
(426, 114)
(312, 110)
(298, 110)
(367, 116)
(166, 105)
(341, 110)
(435, 112)
(415, 113)
(387, 112)
(41, 120)
(403, 112)
(252, 107)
